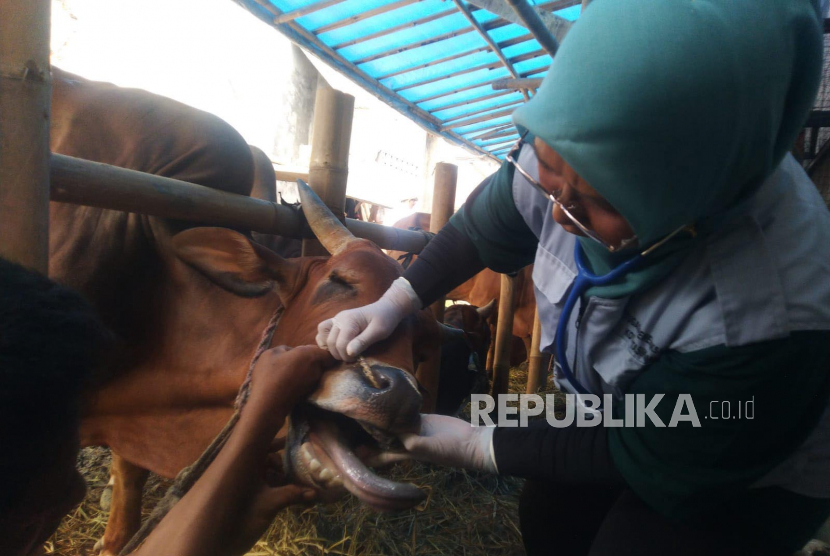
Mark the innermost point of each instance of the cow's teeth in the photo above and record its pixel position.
(326, 475)
(314, 465)
(336, 482)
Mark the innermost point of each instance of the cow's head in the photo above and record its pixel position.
(367, 402)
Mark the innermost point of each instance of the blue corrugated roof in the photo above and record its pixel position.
(424, 57)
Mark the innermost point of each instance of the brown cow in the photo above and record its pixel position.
(484, 287)
(189, 306)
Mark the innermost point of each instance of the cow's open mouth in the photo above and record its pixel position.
(321, 452)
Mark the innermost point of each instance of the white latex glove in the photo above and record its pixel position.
(350, 332)
(453, 442)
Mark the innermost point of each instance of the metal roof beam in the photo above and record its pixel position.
(390, 30)
(425, 42)
(364, 15)
(488, 39)
(291, 16)
(557, 26)
(301, 36)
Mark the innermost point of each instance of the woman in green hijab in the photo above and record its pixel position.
(655, 155)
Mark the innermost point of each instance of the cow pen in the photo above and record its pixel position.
(31, 176)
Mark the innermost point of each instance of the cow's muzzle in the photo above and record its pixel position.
(363, 405)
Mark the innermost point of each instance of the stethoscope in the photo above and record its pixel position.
(584, 280)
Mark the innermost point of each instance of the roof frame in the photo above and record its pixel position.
(471, 69)
(311, 8)
(390, 30)
(309, 40)
(489, 40)
(363, 16)
(424, 42)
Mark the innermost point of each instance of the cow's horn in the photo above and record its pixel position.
(329, 230)
(487, 310)
(450, 334)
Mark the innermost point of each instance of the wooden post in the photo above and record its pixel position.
(443, 205)
(504, 335)
(25, 101)
(535, 368)
(329, 166)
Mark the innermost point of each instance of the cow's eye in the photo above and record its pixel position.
(335, 278)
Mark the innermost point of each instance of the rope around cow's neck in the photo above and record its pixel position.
(189, 475)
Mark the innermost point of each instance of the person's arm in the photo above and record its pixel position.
(232, 504)
(568, 455)
(487, 231)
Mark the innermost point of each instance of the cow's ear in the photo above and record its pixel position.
(233, 262)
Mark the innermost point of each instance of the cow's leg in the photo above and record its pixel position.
(125, 515)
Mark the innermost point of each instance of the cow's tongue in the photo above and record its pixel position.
(358, 479)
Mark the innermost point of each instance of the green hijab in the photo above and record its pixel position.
(676, 111)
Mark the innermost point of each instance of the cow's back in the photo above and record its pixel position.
(113, 257)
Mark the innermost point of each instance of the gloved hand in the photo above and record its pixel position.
(350, 332)
(454, 442)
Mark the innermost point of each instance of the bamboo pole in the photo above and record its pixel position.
(443, 205)
(535, 367)
(25, 101)
(100, 185)
(504, 335)
(328, 170)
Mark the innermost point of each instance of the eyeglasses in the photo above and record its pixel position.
(511, 157)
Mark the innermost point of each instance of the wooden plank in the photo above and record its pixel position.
(478, 119)
(532, 21)
(557, 26)
(471, 101)
(475, 86)
(496, 129)
(292, 176)
(502, 44)
(363, 16)
(25, 96)
(515, 84)
(291, 16)
(506, 131)
(425, 42)
(390, 30)
(514, 104)
(435, 62)
(471, 69)
(488, 39)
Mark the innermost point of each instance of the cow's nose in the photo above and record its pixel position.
(383, 378)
